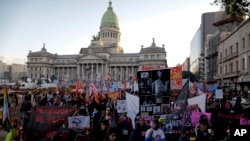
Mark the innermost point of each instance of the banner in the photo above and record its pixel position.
(181, 103)
(114, 95)
(132, 106)
(199, 100)
(79, 122)
(46, 120)
(148, 119)
(154, 86)
(121, 106)
(195, 117)
(244, 121)
(173, 123)
(176, 77)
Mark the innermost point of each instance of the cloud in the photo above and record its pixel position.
(13, 59)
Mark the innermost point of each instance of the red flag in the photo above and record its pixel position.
(78, 86)
(87, 95)
(109, 79)
(95, 92)
(195, 88)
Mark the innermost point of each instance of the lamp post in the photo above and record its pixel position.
(87, 68)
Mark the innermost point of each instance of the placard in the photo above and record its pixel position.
(121, 106)
(219, 94)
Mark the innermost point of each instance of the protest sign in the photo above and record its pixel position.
(79, 122)
(195, 117)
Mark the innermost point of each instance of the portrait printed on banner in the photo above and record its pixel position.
(161, 82)
(143, 108)
(147, 100)
(165, 109)
(145, 91)
(156, 110)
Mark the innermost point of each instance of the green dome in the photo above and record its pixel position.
(109, 18)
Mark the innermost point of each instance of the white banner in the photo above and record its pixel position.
(132, 106)
(79, 122)
(199, 100)
(121, 106)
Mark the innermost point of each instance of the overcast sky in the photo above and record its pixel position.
(66, 26)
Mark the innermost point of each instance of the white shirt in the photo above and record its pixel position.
(158, 135)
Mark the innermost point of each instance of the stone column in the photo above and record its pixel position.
(102, 70)
(92, 71)
(97, 69)
(127, 73)
(121, 73)
(115, 72)
(106, 70)
(58, 75)
(78, 70)
(132, 70)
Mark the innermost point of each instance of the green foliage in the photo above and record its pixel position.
(234, 8)
(188, 74)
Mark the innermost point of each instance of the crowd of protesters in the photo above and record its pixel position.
(108, 125)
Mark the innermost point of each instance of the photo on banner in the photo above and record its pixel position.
(154, 89)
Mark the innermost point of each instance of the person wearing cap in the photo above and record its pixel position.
(155, 133)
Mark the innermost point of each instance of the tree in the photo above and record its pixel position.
(188, 75)
(234, 8)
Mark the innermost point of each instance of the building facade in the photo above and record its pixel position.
(103, 56)
(186, 64)
(197, 48)
(234, 59)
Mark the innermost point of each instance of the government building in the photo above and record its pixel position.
(103, 56)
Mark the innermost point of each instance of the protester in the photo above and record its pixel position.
(107, 115)
(88, 135)
(102, 132)
(112, 134)
(125, 126)
(25, 125)
(155, 133)
(140, 130)
(202, 133)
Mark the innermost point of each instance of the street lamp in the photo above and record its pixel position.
(87, 68)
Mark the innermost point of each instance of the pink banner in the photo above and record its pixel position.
(244, 121)
(195, 117)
